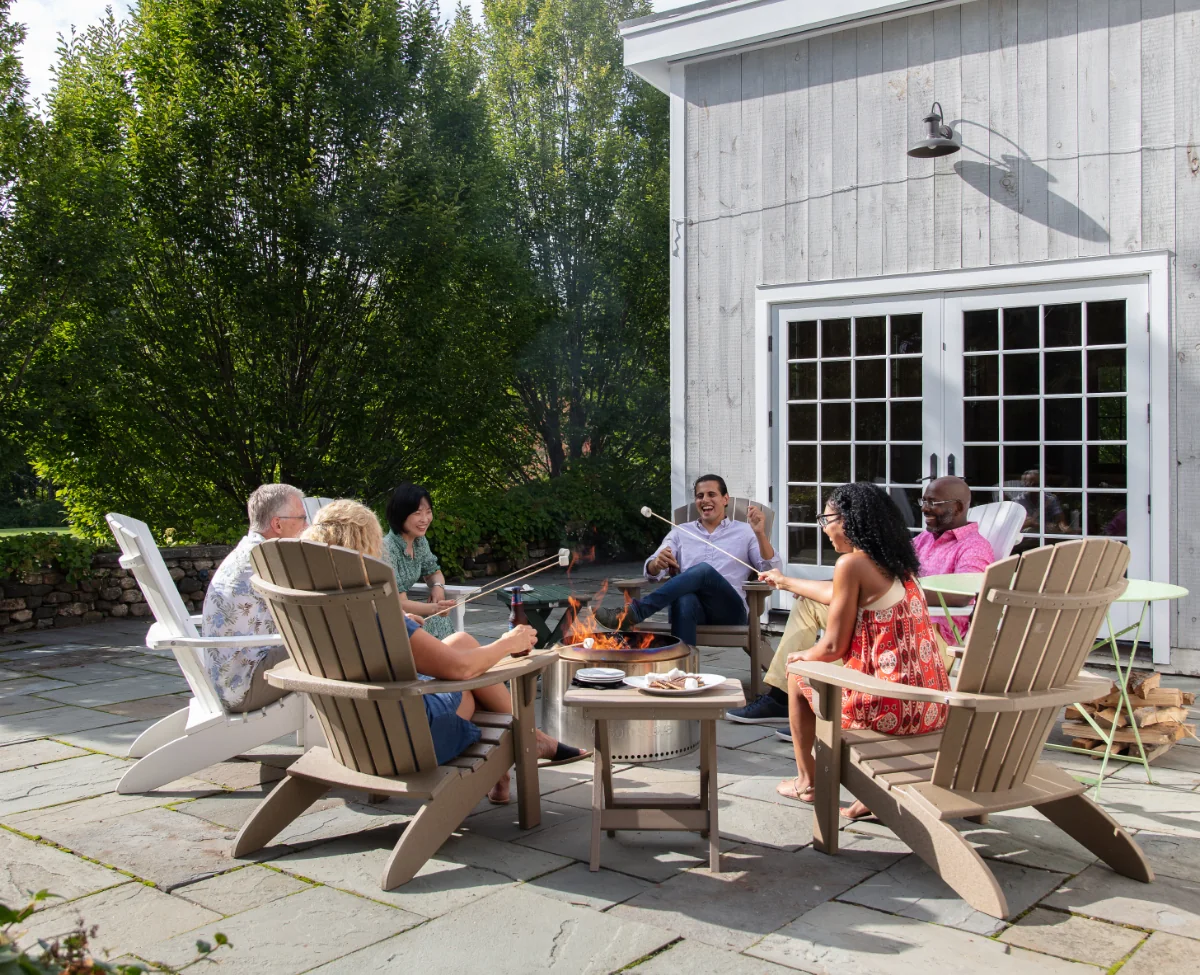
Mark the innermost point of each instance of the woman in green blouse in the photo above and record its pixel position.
(409, 514)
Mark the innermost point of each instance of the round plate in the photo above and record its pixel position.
(707, 683)
(600, 675)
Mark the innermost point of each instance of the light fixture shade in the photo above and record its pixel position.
(939, 138)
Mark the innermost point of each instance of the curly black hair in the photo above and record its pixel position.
(873, 523)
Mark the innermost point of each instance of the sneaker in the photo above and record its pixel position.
(762, 711)
(616, 619)
(784, 733)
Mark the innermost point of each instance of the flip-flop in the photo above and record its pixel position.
(501, 802)
(564, 755)
(854, 819)
(797, 794)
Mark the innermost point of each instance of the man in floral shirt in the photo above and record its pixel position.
(233, 608)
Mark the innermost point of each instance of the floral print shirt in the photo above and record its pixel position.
(232, 608)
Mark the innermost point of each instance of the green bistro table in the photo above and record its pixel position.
(540, 602)
(1137, 591)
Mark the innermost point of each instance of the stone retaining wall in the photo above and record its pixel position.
(43, 600)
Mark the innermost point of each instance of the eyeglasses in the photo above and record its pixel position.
(823, 520)
(930, 503)
(292, 517)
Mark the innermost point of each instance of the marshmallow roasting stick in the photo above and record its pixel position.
(648, 512)
(563, 558)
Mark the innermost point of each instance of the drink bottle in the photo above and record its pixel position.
(516, 612)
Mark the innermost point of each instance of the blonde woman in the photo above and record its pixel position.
(459, 657)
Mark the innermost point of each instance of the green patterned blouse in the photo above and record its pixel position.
(411, 569)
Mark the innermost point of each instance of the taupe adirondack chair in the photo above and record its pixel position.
(1033, 627)
(751, 637)
(341, 620)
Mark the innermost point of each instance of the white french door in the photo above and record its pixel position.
(1038, 395)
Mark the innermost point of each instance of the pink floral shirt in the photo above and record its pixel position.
(958, 550)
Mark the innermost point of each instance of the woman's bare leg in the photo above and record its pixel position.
(803, 724)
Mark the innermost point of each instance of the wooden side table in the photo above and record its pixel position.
(610, 813)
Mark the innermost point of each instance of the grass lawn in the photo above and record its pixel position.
(21, 531)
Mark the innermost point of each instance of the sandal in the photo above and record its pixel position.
(564, 755)
(790, 789)
(500, 802)
(845, 814)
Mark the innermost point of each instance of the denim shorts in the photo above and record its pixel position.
(451, 734)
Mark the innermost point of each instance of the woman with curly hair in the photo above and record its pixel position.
(878, 624)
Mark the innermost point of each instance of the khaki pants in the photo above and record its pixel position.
(261, 693)
(805, 623)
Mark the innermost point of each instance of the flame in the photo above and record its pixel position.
(583, 627)
(588, 555)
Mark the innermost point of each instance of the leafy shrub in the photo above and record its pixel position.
(44, 551)
(70, 954)
(26, 513)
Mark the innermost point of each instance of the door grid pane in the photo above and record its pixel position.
(854, 388)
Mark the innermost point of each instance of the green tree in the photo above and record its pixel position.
(585, 148)
(290, 211)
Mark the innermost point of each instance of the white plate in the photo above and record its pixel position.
(601, 675)
(707, 682)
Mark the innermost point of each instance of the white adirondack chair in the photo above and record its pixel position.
(458, 614)
(1000, 523)
(203, 733)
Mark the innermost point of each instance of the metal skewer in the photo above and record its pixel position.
(648, 512)
(563, 558)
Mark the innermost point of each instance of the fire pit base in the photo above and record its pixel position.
(633, 742)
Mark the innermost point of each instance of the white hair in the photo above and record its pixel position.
(267, 501)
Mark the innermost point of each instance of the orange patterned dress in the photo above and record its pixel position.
(893, 644)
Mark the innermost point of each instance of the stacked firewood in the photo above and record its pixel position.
(1160, 714)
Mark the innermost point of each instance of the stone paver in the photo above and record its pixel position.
(240, 775)
(1160, 808)
(757, 891)
(111, 739)
(108, 805)
(911, 889)
(697, 957)
(57, 782)
(356, 864)
(577, 884)
(242, 889)
(513, 932)
(1026, 837)
(1076, 938)
(89, 673)
(112, 691)
(148, 707)
(128, 919)
(30, 685)
(27, 867)
(23, 704)
(292, 934)
(164, 847)
(787, 827)
(35, 753)
(1164, 954)
(844, 939)
(54, 722)
(1165, 905)
(501, 822)
(1171, 855)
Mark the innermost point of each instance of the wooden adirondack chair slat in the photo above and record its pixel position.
(1022, 658)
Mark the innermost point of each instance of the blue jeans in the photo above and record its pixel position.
(698, 596)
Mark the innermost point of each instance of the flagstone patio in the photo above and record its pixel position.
(154, 872)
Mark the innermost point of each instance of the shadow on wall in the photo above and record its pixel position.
(1015, 181)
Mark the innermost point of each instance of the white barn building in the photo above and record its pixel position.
(1024, 312)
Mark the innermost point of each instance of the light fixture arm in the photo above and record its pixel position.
(934, 118)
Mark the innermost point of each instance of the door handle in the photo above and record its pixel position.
(933, 467)
(950, 465)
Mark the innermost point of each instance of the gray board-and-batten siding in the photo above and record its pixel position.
(1080, 125)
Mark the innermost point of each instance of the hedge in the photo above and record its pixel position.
(32, 552)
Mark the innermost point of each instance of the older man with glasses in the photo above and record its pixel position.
(949, 543)
(233, 608)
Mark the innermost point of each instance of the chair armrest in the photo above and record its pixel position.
(197, 620)
(630, 587)
(453, 592)
(1083, 688)
(289, 677)
(753, 585)
(214, 642)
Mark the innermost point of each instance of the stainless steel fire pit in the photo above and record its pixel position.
(631, 741)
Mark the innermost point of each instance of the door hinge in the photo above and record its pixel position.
(770, 494)
(770, 343)
(1147, 412)
(770, 418)
(1148, 504)
(1147, 321)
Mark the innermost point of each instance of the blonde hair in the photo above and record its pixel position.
(348, 524)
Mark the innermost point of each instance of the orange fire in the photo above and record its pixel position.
(588, 555)
(582, 628)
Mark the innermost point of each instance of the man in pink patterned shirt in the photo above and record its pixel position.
(950, 543)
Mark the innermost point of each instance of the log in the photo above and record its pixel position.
(1162, 716)
(1189, 697)
(1141, 681)
(1157, 735)
(1158, 697)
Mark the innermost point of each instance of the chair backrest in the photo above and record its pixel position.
(1035, 622)
(1000, 523)
(737, 511)
(340, 617)
(313, 505)
(140, 555)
